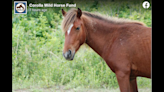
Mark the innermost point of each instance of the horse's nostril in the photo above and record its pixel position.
(69, 51)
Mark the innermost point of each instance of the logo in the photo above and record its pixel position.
(20, 7)
(146, 4)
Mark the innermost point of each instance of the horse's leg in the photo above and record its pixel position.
(123, 81)
(133, 85)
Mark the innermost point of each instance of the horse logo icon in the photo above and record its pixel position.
(20, 7)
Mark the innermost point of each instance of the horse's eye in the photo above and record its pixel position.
(77, 28)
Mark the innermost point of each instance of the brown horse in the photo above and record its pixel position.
(124, 45)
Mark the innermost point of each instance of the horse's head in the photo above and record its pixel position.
(75, 35)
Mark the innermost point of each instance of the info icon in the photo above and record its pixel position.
(20, 7)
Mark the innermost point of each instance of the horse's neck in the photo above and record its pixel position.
(100, 35)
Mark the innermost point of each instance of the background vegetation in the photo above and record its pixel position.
(37, 44)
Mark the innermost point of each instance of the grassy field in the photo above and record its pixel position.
(37, 44)
(60, 89)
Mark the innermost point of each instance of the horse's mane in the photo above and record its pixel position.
(72, 15)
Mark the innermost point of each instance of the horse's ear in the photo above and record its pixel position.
(63, 12)
(79, 13)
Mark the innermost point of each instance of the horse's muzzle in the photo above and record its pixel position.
(69, 55)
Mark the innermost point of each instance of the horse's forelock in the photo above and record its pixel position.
(69, 19)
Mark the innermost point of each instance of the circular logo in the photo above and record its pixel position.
(20, 7)
(146, 4)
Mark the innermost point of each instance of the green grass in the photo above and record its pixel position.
(37, 44)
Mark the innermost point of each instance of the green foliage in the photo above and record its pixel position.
(37, 43)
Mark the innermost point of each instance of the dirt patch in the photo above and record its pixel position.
(62, 89)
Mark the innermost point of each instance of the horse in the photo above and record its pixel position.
(20, 6)
(125, 45)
